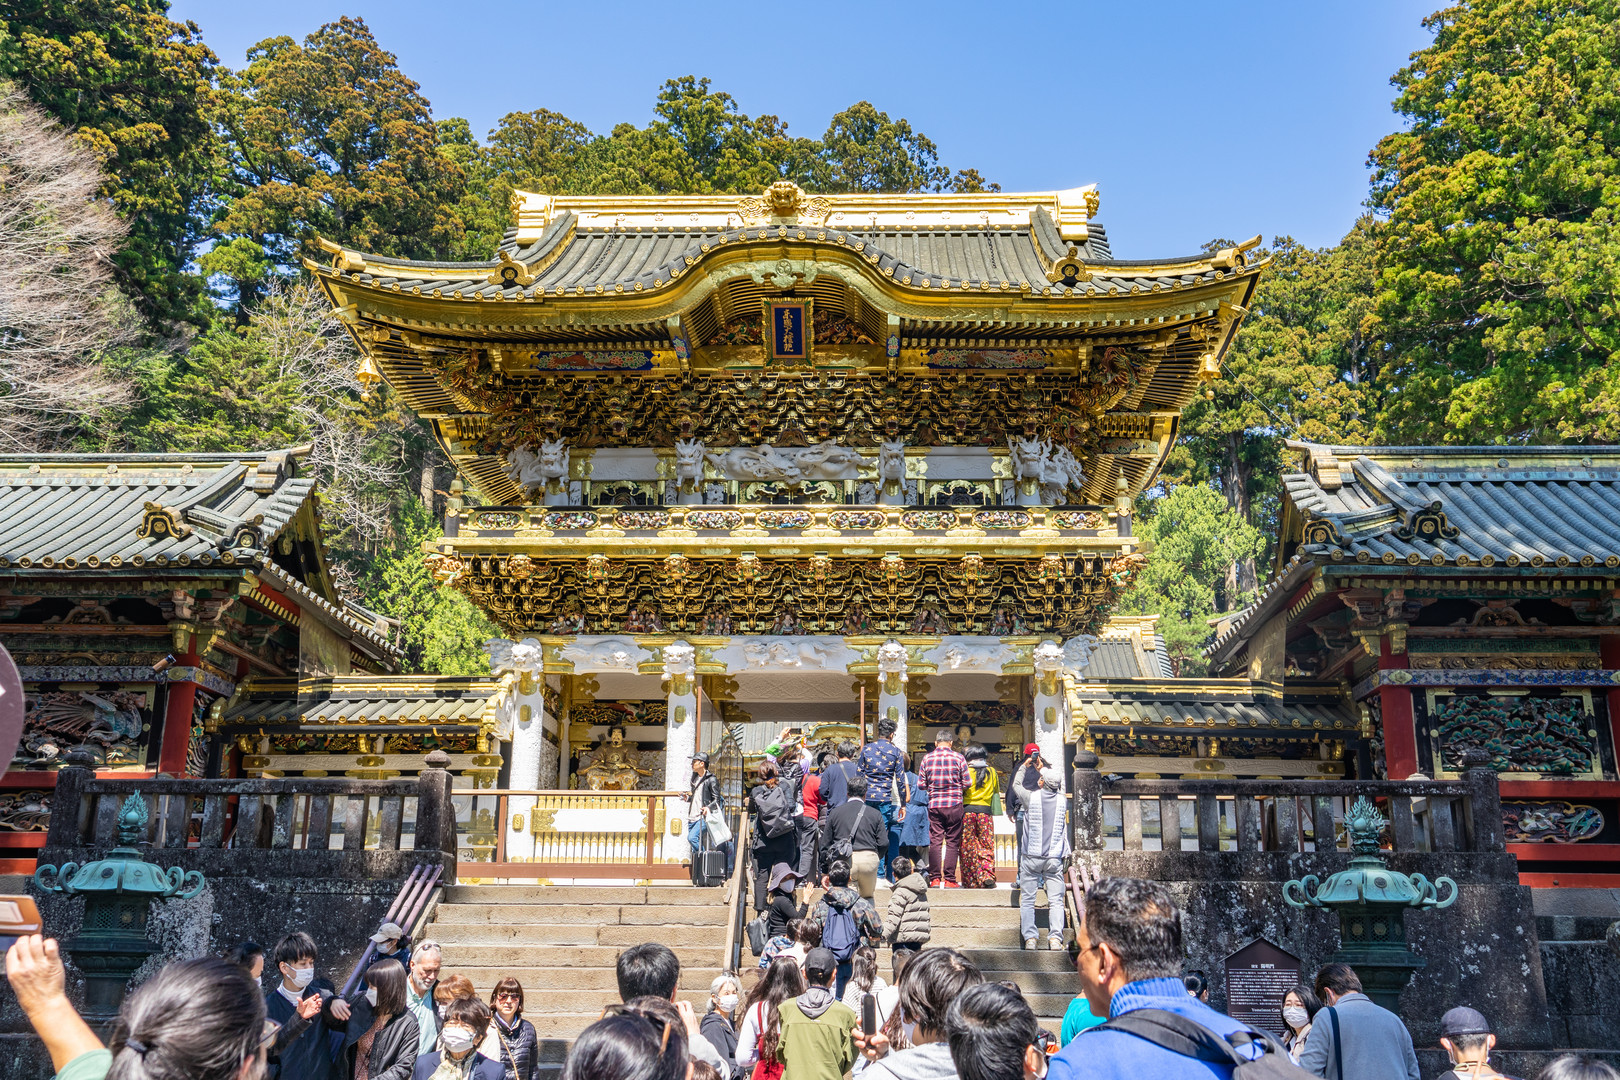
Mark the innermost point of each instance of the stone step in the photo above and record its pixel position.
(547, 979)
(1065, 984)
(583, 894)
(573, 1001)
(1020, 961)
(594, 914)
(455, 935)
(578, 956)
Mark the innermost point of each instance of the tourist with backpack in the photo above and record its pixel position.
(1130, 965)
(856, 834)
(847, 920)
(1352, 1038)
(775, 840)
(759, 1036)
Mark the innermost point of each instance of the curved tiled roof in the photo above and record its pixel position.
(579, 261)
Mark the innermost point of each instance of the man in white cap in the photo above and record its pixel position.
(392, 944)
(1040, 858)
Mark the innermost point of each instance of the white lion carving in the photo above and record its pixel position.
(789, 465)
(536, 472)
(1055, 468)
(892, 462)
(604, 654)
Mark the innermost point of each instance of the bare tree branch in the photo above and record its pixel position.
(57, 305)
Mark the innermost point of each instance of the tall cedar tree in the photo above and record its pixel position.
(138, 89)
(1500, 257)
(329, 138)
(1300, 369)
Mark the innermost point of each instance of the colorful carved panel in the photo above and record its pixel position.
(1550, 822)
(1518, 734)
(109, 724)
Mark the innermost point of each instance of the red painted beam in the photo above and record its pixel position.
(1561, 789)
(1570, 881)
(1594, 853)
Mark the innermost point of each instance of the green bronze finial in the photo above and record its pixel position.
(132, 821)
(1365, 826)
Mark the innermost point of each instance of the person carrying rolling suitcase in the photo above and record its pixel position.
(714, 852)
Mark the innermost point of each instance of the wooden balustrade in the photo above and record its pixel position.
(1290, 816)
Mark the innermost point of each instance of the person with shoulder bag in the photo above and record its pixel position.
(855, 835)
(775, 837)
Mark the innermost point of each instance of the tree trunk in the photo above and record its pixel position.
(1242, 577)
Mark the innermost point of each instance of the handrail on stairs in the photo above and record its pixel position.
(738, 888)
(1078, 879)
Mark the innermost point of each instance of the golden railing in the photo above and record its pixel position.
(571, 834)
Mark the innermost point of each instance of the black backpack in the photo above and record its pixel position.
(775, 806)
(1192, 1039)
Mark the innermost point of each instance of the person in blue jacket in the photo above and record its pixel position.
(914, 825)
(1130, 959)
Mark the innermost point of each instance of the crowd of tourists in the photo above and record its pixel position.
(820, 1006)
(807, 1016)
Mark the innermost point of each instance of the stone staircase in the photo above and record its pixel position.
(561, 943)
(983, 924)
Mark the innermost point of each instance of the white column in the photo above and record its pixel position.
(526, 721)
(680, 739)
(891, 704)
(1050, 705)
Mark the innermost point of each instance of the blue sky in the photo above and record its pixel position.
(1196, 120)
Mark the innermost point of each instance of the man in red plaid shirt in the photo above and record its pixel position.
(944, 775)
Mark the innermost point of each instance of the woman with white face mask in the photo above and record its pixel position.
(466, 1020)
(384, 1035)
(1299, 1008)
(719, 1024)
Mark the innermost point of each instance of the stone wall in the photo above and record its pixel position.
(1482, 951)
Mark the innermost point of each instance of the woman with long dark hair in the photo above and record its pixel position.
(635, 1042)
(979, 802)
(768, 802)
(384, 1032)
(759, 1038)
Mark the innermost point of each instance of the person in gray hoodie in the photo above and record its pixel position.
(1044, 843)
(928, 985)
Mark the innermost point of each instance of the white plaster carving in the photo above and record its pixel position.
(614, 653)
(520, 656)
(536, 472)
(961, 653)
(1054, 468)
(1048, 658)
(892, 461)
(789, 465)
(689, 464)
(892, 659)
(866, 493)
(1077, 652)
(786, 653)
(714, 494)
(680, 660)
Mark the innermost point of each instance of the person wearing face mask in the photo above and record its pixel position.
(719, 1024)
(465, 1022)
(1299, 1008)
(511, 1040)
(422, 978)
(383, 1034)
(392, 944)
(1466, 1038)
(307, 1009)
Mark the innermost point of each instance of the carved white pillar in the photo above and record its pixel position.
(891, 704)
(525, 721)
(1050, 705)
(680, 738)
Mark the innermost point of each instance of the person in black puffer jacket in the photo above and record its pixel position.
(511, 1040)
(719, 1024)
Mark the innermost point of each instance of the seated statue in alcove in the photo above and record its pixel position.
(615, 767)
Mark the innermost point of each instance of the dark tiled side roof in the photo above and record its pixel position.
(368, 700)
(1123, 707)
(72, 510)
